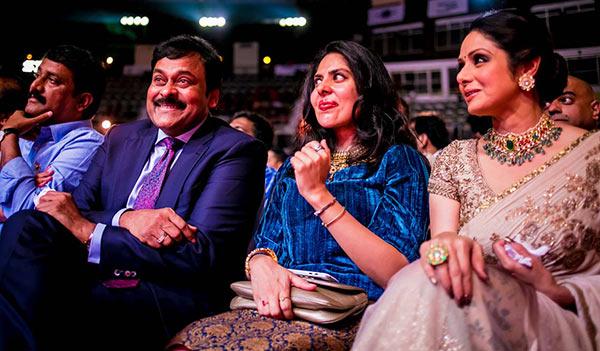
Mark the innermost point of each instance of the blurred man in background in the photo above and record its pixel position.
(432, 135)
(578, 105)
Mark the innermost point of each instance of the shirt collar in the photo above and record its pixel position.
(184, 138)
(58, 131)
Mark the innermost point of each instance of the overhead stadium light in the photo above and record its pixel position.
(292, 22)
(135, 21)
(212, 21)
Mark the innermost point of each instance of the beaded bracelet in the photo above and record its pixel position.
(324, 208)
(338, 216)
(259, 251)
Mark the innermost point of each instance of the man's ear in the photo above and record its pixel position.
(84, 100)
(213, 98)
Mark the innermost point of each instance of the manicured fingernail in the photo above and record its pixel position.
(433, 280)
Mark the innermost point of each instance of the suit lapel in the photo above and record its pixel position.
(190, 155)
(139, 146)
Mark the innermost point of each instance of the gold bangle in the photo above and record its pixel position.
(259, 251)
(324, 208)
(338, 216)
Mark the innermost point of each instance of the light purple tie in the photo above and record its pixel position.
(152, 183)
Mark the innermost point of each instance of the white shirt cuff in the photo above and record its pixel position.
(117, 217)
(95, 244)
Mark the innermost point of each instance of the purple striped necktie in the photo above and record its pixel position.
(153, 181)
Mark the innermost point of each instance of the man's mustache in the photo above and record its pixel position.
(37, 96)
(170, 101)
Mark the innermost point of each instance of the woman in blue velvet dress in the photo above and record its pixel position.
(351, 202)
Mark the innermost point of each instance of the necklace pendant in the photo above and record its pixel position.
(510, 145)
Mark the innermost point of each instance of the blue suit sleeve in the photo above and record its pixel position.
(88, 195)
(224, 213)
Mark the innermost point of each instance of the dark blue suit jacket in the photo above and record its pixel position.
(216, 185)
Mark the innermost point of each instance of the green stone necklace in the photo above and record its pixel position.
(514, 149)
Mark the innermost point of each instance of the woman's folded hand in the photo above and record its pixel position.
(271, 286)
(454, 273)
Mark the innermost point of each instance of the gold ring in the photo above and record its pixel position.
(437, 254)
(162, 238)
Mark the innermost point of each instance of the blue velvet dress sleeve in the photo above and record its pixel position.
(389, 197)
(269, 233)
(401, 217)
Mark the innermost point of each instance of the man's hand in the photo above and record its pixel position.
(19, 121)
(62, 207)
(43, 178)
(10, 144)
(157, 228)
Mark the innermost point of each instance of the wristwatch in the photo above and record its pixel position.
(4, 132)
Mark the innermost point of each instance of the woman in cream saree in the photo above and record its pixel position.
(557, 205)
(514, 259)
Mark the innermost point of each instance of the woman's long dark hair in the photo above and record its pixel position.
(379, 124)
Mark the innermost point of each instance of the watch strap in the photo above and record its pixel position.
(4, 132)
(10, 131)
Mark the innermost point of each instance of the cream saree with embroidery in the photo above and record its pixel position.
(557, 205)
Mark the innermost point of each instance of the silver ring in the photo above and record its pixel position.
(162, 238)
(283, 298)
(318, 148)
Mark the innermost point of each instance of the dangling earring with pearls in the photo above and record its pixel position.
(526, 82)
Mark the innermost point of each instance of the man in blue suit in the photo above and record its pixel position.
(153, 235)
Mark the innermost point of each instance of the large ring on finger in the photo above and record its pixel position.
(318, 148)
(437, 254)
(161, 238)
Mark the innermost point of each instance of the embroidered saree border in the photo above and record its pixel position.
(526, 179)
